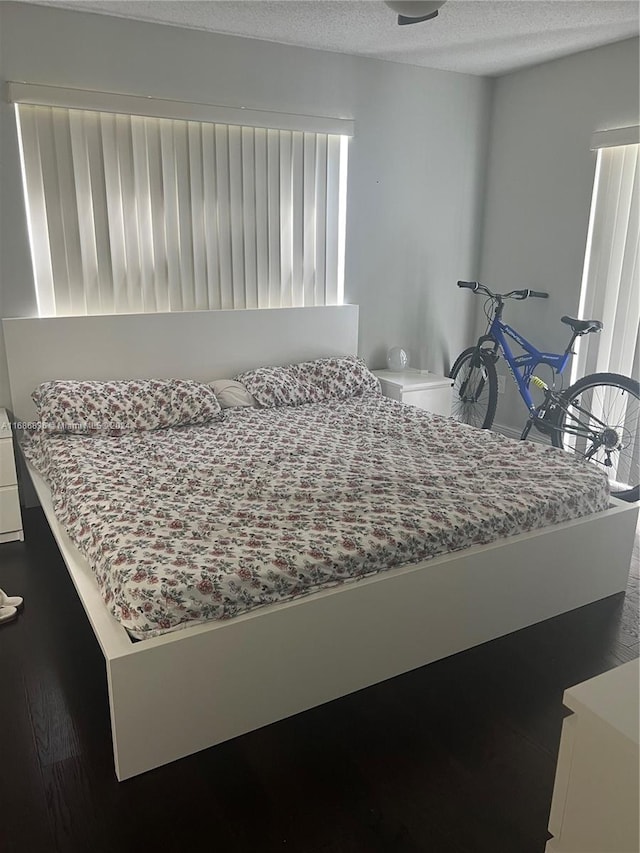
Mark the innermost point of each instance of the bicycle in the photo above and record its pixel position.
(597, 417)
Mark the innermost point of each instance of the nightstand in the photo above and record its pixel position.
(418, 388)
(10, 516)
(596, 792)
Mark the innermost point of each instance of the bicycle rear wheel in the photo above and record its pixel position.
(599, 419)
(475, 388)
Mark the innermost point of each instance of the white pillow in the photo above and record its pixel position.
(230, 393)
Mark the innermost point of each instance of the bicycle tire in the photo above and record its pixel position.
(479, 408)
(615, 399)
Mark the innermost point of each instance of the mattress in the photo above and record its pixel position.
(189, 524)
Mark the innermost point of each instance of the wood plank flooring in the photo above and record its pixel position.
(457, 757)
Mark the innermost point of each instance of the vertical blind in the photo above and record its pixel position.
(610, 289)
(140, 214)
(611, 281)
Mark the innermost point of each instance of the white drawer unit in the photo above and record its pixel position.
(418, 388)
(10, 516)
(596, 797)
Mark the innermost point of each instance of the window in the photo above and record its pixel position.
(144, 213)
(611, 276)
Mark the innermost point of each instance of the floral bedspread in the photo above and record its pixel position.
(187, 524)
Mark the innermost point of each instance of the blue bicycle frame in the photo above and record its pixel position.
(522, 366)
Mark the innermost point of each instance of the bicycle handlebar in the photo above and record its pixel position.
(513, 294)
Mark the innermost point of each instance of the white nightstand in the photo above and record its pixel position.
(418, 388)
(10, 516)
(596, 794)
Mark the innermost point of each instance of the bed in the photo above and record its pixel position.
(179, 687)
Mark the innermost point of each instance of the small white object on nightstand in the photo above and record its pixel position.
(398, 359)
(10, 516)
(418, 388)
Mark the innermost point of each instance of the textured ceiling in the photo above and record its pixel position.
(488, 37)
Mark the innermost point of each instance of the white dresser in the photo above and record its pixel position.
(10, 516)
(596, 797)
(418, 388)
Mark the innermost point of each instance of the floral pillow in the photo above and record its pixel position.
(120, 406)
(334, 378)
(275, 386)
(338, 378)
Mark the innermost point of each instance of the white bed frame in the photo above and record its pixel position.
(174, 695)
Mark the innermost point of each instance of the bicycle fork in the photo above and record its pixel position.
(476, 363)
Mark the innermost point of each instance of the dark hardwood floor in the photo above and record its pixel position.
(457, 757)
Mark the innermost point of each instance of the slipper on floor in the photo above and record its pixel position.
(10, 600)
(7, 614)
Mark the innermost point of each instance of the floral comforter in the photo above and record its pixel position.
(187, 524)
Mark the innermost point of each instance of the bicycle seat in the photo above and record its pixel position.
(581, 327)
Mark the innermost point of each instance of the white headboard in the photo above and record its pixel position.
(202, 345)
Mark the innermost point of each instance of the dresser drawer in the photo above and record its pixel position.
(7, 463)
(10, 518)
(436, 400)
(418, 388)
(392, 391)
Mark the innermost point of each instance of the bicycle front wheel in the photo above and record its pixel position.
(599, 419)
(475, 388)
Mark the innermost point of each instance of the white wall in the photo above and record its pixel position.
(539, 185)
(416, 163)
